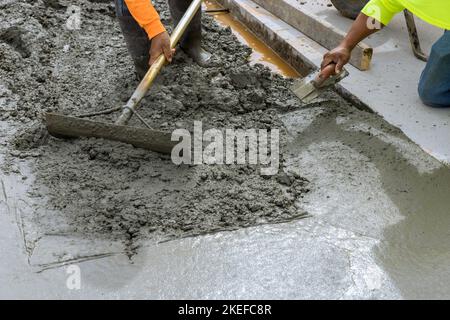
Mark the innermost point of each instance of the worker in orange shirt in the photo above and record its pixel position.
(147, 39)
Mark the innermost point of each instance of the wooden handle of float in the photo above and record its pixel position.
(156, 67)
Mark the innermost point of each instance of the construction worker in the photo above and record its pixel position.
(147, 39)
(434, 84)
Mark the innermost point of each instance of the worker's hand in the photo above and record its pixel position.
(161, 45)
(339, 57)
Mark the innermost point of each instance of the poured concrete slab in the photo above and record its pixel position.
(389, 87)
(378, 229)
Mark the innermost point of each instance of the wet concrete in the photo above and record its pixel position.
(396, 194)
(389, 88)
(107, 190)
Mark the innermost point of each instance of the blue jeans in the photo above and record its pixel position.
(434, 85)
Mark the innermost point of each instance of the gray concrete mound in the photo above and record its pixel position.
(105, 189)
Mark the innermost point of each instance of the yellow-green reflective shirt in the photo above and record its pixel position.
(435, 12)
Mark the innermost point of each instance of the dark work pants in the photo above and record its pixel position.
(136, 38)
(434, 85)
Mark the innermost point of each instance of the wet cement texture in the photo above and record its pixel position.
(377, 206)
(104, 189)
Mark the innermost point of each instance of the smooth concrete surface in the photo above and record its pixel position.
(389, 87)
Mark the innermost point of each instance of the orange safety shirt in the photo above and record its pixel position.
(146, 16)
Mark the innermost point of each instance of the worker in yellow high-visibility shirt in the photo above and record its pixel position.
(147, 38)
(434, 83)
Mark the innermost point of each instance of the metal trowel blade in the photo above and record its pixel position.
(307, 89)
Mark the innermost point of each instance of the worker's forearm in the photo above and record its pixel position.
(363, 27)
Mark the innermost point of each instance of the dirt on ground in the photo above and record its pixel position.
(99, 188)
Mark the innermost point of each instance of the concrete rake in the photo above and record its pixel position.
(72, 126)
